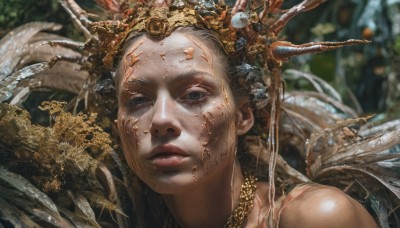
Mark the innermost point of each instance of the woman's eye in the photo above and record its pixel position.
(194, 96)
(138, 101)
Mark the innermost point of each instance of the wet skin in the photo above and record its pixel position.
(177, 119)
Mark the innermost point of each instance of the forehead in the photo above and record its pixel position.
(173, 42)
(173, 55)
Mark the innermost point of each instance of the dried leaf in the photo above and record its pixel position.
(63, 75)
(319, 84)
(380, 211)
(77, 219)
(30, 207)
(29, 190)
(12, 45)
(83, 204)
(102, 202)
(9, 83)
(15, 216)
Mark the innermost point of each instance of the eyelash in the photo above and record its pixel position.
(193, 101)
(139, 101)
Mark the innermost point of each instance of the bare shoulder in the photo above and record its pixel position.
(323, 206)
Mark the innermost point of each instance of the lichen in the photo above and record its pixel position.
(64, 155)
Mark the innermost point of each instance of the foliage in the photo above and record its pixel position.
(14, 13)
(60, 162)
(366, 76)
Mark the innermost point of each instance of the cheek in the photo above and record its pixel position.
(128, 132)
(220, 131)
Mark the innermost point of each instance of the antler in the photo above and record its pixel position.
(270, 6)
(239, 6)
(304, 6)
(78, 15)
(112, 6)
(283, 50)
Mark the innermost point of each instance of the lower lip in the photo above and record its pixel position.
(168, 161)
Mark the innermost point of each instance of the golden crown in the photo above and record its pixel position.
(251, 27)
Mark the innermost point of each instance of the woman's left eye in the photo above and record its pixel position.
(194, 96)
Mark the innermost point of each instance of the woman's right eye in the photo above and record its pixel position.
(138, 101)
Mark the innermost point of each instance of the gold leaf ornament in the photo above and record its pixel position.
(157, 27)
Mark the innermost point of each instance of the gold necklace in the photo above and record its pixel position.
(246, 200)
(241, 211)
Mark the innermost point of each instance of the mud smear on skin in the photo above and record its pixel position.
(125, 127)
(189, 53)
(131, 58)
(226, 98)
(162, 55)
(208, 125)
(131, 53)
(206, 55)
(129, 126)
(134, 58)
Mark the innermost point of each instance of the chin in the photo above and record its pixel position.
(171, 182)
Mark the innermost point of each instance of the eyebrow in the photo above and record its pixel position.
(180, 78)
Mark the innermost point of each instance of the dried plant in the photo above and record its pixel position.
(48, 174)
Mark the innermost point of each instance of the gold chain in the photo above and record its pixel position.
(245, 204)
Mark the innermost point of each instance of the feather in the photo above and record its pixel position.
(15, 216)
(30, 191)
(83, 204)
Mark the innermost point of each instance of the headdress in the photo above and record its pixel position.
(249, 27)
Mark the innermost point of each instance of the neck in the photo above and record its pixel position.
(210, 203)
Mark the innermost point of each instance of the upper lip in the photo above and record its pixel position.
(168, 148)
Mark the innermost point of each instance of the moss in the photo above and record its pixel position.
(64, 155)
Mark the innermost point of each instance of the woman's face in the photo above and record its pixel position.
(177, 118)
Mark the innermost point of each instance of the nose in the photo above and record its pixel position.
(165, 121)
